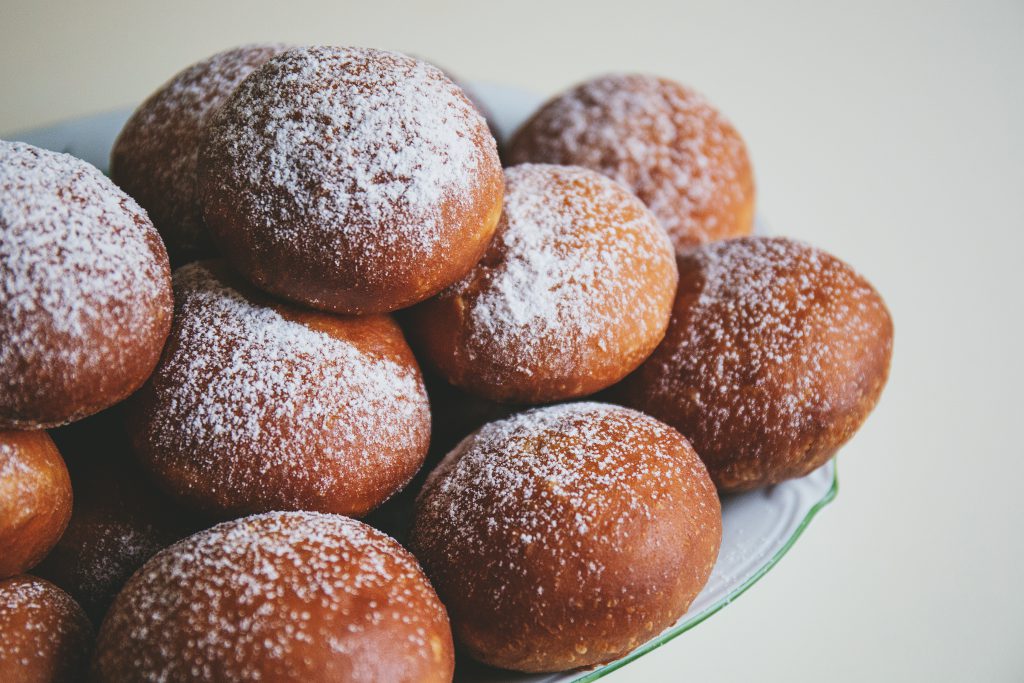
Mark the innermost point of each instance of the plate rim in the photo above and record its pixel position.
(711, 610)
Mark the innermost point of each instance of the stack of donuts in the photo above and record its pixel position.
(533, 382)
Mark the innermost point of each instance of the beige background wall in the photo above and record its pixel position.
(887, 132)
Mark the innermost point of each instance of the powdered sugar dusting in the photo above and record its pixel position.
(43, 629)
(269, 596)
(77, 260)
(565, 481)
(770, 341)
(357, 149)
(247, 392)
(576, 262)
(155, 155)
(663, 141)
(117, 548)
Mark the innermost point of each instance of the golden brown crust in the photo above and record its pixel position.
(154, 156)
(44, 634)
(380, 185)
(260, 406)
(775, 356)
(85, 290)
(321, 597)
(660, 139)
(567, 536)
(574, 292)
(35, 499)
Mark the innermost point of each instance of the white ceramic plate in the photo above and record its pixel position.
(758, 527)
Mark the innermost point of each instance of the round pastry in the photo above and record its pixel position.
(119, 518)
(567, 536)
(660, 139)
(573, 294)
(260, 406)
(351, 180)
(45, 636)
(775, 355)
(279, 596)
(35, 499)
(85, 290)
(154, 157)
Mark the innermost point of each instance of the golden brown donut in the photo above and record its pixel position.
(154, 157)
(283, 596)
(119, 519)
(85, 290)
(351, 180)
(775, 355)
(45, 636)
(567, 536)
(660, 139)
(260, 406)
(573, 294)
(35, 499)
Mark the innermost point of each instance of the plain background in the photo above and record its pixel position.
(887, 132)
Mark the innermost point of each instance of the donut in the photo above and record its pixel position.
(776, 353)
(85, 290)
(35, 499)
(350, 180)
(279, 596)
(573, 293)
(119, 518)
(45, 636)
(154, 157)
(660, 139)
(566, 536)
(260, 406)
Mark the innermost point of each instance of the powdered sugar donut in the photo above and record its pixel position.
(85, 290)
(35, 499)
(566, 536)
(658, 138)
(259, 406)
(775, 355)
(44, 634)
(352, 180)
(574, 292)
(154, 157)
(279, 596)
